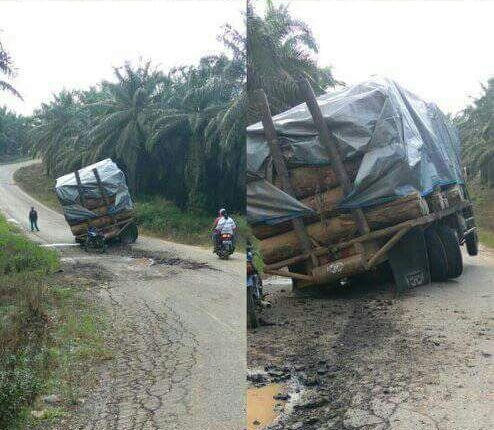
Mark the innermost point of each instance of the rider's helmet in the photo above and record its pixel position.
(222, 212)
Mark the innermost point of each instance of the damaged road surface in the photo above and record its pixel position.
(361, 358)
(177, 329)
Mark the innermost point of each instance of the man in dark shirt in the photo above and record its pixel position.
(33, 218)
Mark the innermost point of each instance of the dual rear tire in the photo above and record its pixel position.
(129, 234)
(443, 249)
(252, 320)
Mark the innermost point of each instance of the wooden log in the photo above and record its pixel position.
(103, 193)
(330, 257)
(111, 230)
(455, 195)
(368, 249)
(328, 231)
(280, 166)
(437, 201)
(80, 188)
(91, 204)
(331, 146)
(264, 231)
(310, 180)
(324, 203)
(339, 269)
(99, 222)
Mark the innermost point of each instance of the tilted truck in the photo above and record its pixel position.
(97, 195)
(347, 181)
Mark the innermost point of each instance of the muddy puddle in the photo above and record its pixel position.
(262, 408)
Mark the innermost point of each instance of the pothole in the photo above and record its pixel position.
(150, 258)
(272, 396)
(262, 407)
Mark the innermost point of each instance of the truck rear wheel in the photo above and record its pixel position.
(472, 242)
(453, 252)
(438, 262)
(129, 234)
(252, 321)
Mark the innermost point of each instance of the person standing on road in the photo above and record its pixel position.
(33, 219)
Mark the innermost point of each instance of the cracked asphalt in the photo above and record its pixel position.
(177, 329)
(365, 359)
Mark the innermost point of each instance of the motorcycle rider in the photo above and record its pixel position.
(223, 224)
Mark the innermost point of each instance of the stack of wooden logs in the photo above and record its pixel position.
(318, 188)
(99, 207)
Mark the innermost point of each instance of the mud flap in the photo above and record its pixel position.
(409, 262)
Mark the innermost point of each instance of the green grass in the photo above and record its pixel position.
(48, 332)
(483, 204)
(161, 218)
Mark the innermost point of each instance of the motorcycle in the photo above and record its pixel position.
(225, 248)
(254, 291)
(95, 239)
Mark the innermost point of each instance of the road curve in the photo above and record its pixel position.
(180, 358)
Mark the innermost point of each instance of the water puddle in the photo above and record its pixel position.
(262, 408)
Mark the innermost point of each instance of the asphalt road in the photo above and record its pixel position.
(178, 327)
(419, 361)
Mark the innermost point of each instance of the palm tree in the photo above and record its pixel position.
(122, 120)
(476, 126)
(57, 133)
(13, 137)
(202, 115)
(180, 136)
(279, 49)
(7, 69)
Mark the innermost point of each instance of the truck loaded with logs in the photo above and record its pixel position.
(97, 196)
(350, 180)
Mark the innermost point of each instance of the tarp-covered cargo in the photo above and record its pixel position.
(114, 186)
(406, 145)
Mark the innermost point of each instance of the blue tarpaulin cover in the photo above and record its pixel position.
(114, 184)
(406, 145)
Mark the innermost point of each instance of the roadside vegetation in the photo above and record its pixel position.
(178, 136)
(48, 333)
(483, 203)
(476, 127)
(13, 127)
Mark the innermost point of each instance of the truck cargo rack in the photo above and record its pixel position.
(371, 247)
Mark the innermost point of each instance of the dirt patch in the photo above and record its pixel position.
(350, 351)
(158, 258)
(82, 274)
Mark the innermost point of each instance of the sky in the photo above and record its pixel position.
(440, 50)
(74, 44)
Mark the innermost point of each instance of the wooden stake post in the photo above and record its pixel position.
(281, 169)
(103, 193)
(80, 188)
(327, 141)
